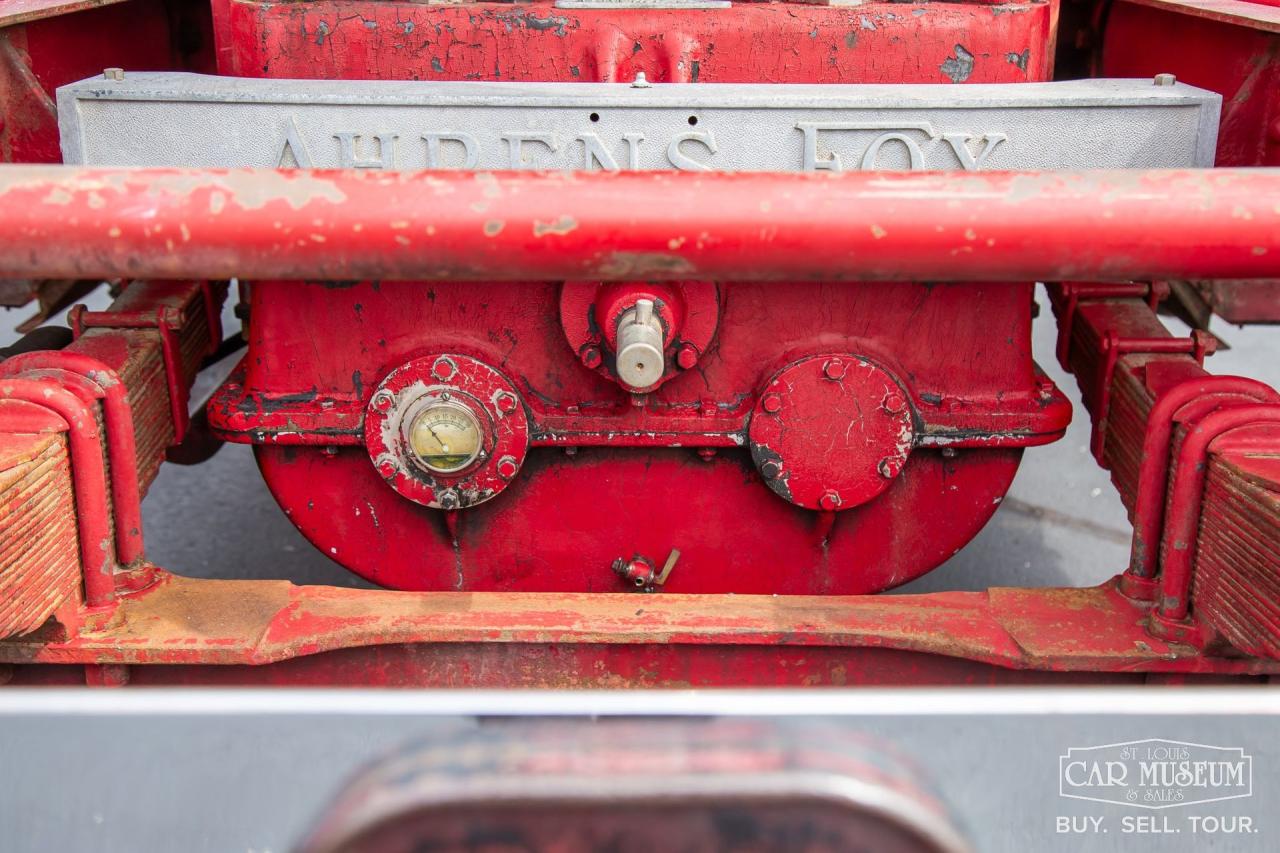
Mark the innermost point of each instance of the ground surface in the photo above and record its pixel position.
(1062, 523)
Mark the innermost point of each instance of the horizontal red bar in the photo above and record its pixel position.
(190, 621)
(80, 222)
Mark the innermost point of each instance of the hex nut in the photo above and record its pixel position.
(771, 403)
(383, 400)
(443, 369)
(889, 467)
(508, 467)
(687, 357)
(507, 402)
(834, 369)
(893, 403)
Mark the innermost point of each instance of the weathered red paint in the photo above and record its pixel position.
(1149, 506)
(670, 457)
(1186, 504)
(181, 621)
(751, 42)
(1228, 46)
(118, 419)
(67, 395)
(265, 224)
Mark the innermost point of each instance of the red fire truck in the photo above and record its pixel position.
(549, 305)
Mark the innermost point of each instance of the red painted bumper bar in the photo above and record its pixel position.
(156, 223)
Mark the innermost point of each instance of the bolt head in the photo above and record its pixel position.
(382, 401)
(834, 369)
(591, 357)
(830, 500)
(1165, 79)
(507, 402)
(507, 467)
(443, 369)
(771, 470)
(771, 403)
(687, 357)
(448, 500)
(707, 453)
(889, 467)
(893, 403)
(387, 468)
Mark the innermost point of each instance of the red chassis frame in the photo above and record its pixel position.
(1191, 604)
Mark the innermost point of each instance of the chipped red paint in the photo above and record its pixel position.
(755, 42)
(613, 475)
(853, 226)
(180, 625)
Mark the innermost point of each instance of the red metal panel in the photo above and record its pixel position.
(45, 44)
(750, 42)
(1228, 47)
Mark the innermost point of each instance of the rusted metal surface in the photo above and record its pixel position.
(73, 399)
(355, 225)
(39, 559)
(121, 454)
(182, 621)
(1173, 424)
(1186, 503)
(1235, 590)
(1153, 477)
(1243, 301)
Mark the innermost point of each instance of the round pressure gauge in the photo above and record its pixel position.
(446, 431)
(445, 437)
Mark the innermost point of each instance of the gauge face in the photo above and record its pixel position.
(445, 437)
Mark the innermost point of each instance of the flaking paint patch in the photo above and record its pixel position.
(959, 66)
(566, 224)
(493, 227)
